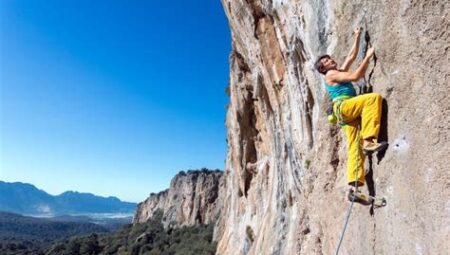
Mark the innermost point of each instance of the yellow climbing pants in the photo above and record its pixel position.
(363, 111)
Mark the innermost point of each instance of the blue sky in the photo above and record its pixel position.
(111, 97)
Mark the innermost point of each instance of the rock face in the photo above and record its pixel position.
(191, 199)
(285, 186)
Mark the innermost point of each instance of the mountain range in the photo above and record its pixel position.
(24, 198)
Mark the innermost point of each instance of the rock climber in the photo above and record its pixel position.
(359, 115)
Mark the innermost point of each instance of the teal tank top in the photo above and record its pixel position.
(341, 89)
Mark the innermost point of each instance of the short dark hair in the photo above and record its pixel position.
(319, 66)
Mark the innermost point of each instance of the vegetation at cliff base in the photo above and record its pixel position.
(20, 235)
(146, 238)
(17, 227)
(22, 247)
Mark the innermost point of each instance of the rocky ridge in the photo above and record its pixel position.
(192, 198)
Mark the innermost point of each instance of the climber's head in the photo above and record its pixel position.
(325, 63)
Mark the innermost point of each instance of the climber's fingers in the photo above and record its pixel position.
(357, 31)
(371, 51)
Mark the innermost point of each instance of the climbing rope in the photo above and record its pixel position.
(347, 218)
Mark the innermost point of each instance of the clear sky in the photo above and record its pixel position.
(111, 97)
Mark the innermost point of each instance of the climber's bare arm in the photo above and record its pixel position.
(353, 52)
(335, 76)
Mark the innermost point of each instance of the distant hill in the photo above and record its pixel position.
(14, 226)
(24, 198)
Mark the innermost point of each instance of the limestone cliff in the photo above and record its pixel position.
(284, 188)
(192, 198)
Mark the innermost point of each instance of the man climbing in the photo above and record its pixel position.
(359, 115)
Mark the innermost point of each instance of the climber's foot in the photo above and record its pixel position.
(361, 198)
(358, 197)
(372, 147)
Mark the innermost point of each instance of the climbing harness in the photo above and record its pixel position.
(335, 116)
(339, 116)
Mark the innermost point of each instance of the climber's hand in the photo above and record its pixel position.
(370, 52)
(357, 31)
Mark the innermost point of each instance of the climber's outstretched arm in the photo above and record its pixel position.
(353, 52)
(334, 76)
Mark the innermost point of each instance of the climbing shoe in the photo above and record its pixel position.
(358, 197)
(374, 147)
(366, 200)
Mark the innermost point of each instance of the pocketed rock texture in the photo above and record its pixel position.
(191, 199)
(285, 179)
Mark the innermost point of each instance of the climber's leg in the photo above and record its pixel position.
(371, 115)
(355, 163)
(368, 107)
